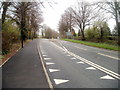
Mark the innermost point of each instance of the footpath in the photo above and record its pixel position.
(24, 69)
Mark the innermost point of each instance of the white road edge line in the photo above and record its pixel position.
(45, 70)
(108, 56)
(113, 74)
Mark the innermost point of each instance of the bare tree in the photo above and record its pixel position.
(26, 16)
(5, 6)
(112, 7)
(83, 14)
(67, 22)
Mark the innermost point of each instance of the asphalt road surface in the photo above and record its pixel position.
(24, 70)
(72, 65)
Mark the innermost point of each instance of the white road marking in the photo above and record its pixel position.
(107, 77)
(47, 58)
(45, 71)
(43, 52)
(81, 62)
(60, 81)
(54, 70)
(44, 55)
(73, 58)
(91, 68)
(113, 74)
(49, 63)
(80, 48)
(108, 56)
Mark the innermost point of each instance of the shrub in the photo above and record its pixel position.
(10, 35)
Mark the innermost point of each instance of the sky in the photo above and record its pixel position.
(53, 14)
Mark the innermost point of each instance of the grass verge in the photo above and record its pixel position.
(99, 45)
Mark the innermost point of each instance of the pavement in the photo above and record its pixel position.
(72, 65)
(24, 69)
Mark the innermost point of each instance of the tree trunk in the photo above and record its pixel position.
(83, 36)
(101, 34)
(117, 22)
(22, 41)
(5, 7)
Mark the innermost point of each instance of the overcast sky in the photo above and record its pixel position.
(52, 14)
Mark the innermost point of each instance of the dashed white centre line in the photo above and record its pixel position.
(80, 48)
(107, 71)
(108, 56)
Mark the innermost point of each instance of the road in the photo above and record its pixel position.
(24, 70)
(72, 65)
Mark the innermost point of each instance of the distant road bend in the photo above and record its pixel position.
(72, 65)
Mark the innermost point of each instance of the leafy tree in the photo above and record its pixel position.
(103, 28)
(112, 7)
(99, 31)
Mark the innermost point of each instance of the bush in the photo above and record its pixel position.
(10, 35)
(92, 34)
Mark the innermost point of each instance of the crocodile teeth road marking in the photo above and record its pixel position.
(103, 69)
(73, 58)
(44, 55)
(60, 81)
(48, 63)
(91, 68)
(81, 62)
(107, 77)
(109, 56)
(53, 70)
(47, 58)
(43, 52)
(80, 48)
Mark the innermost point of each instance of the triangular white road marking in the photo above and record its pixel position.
(44, 55)
(73, 58)
(53, 70)
(81, 62)
(43, 52)
(47, 58)
(91, 68)
(59, 81)
(48, 63)
(107, 77)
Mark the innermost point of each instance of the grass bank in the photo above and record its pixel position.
(99, 45)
